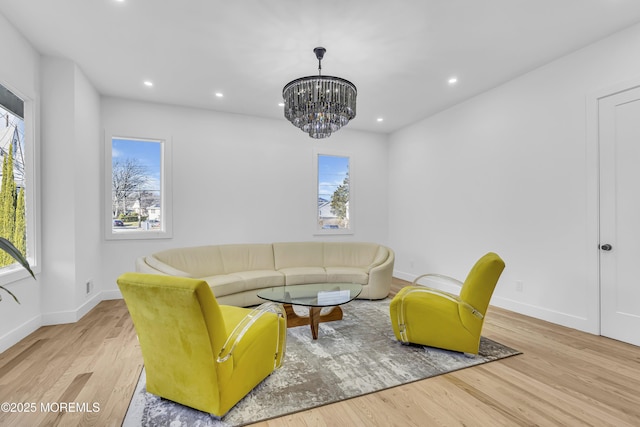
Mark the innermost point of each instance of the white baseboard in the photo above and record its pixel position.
(11, 338)
(113, 294)
(404, 276)
(71, 316)
(580, 323)
(55, 318)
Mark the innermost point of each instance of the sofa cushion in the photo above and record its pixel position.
(247, 257)
(225, 284)
(347, 275)
(301, 275)
(298, 254)
(258, 279)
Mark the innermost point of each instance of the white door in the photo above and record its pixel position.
(619, 139)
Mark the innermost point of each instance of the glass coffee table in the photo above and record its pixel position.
(315, 296)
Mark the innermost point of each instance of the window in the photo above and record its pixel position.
(17, 199)
(137, 189)
(333, 194)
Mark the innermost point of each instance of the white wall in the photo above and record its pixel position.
(70, 191)
(58, 195)
(88, 197)
(510, 171)
(240, 179)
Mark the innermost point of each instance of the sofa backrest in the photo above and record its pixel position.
(328, 254)
(298, 254)
(353, 254)
(247, 257)
(196, 261)
(206, 261)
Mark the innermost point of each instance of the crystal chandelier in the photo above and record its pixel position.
(319, 105)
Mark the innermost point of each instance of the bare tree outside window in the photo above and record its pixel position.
(128, 177)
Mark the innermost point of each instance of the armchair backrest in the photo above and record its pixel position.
(181, 331)
(481, 281)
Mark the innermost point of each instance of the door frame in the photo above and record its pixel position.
(592, 252)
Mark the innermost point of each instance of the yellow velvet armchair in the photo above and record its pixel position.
(426, 316)
(196, 352)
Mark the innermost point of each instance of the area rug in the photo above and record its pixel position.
(352, 357)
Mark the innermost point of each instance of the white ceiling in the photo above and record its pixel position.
(399, 53)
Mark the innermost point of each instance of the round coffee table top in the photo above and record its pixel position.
(313, 295)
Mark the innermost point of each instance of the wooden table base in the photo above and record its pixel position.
(314, 318)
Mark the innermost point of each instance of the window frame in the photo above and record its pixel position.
(166, 190)
(317, 230)
(15, 272)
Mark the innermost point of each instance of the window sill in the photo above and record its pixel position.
(138, 235)
(15, 272)
(333, 231)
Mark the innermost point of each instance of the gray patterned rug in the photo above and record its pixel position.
(352, 357)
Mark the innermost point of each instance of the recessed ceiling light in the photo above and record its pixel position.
(219, 94)
(148, 83)
(379, 119)
(280, 104)
(453, 80)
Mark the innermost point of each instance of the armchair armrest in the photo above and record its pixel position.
(241, 328)
(447, 280)
(438, 277)
(416, 291)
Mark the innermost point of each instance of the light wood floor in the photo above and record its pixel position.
(564, 378)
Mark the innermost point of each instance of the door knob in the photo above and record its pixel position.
(606, 247)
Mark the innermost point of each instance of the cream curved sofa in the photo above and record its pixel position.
(236, 273)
